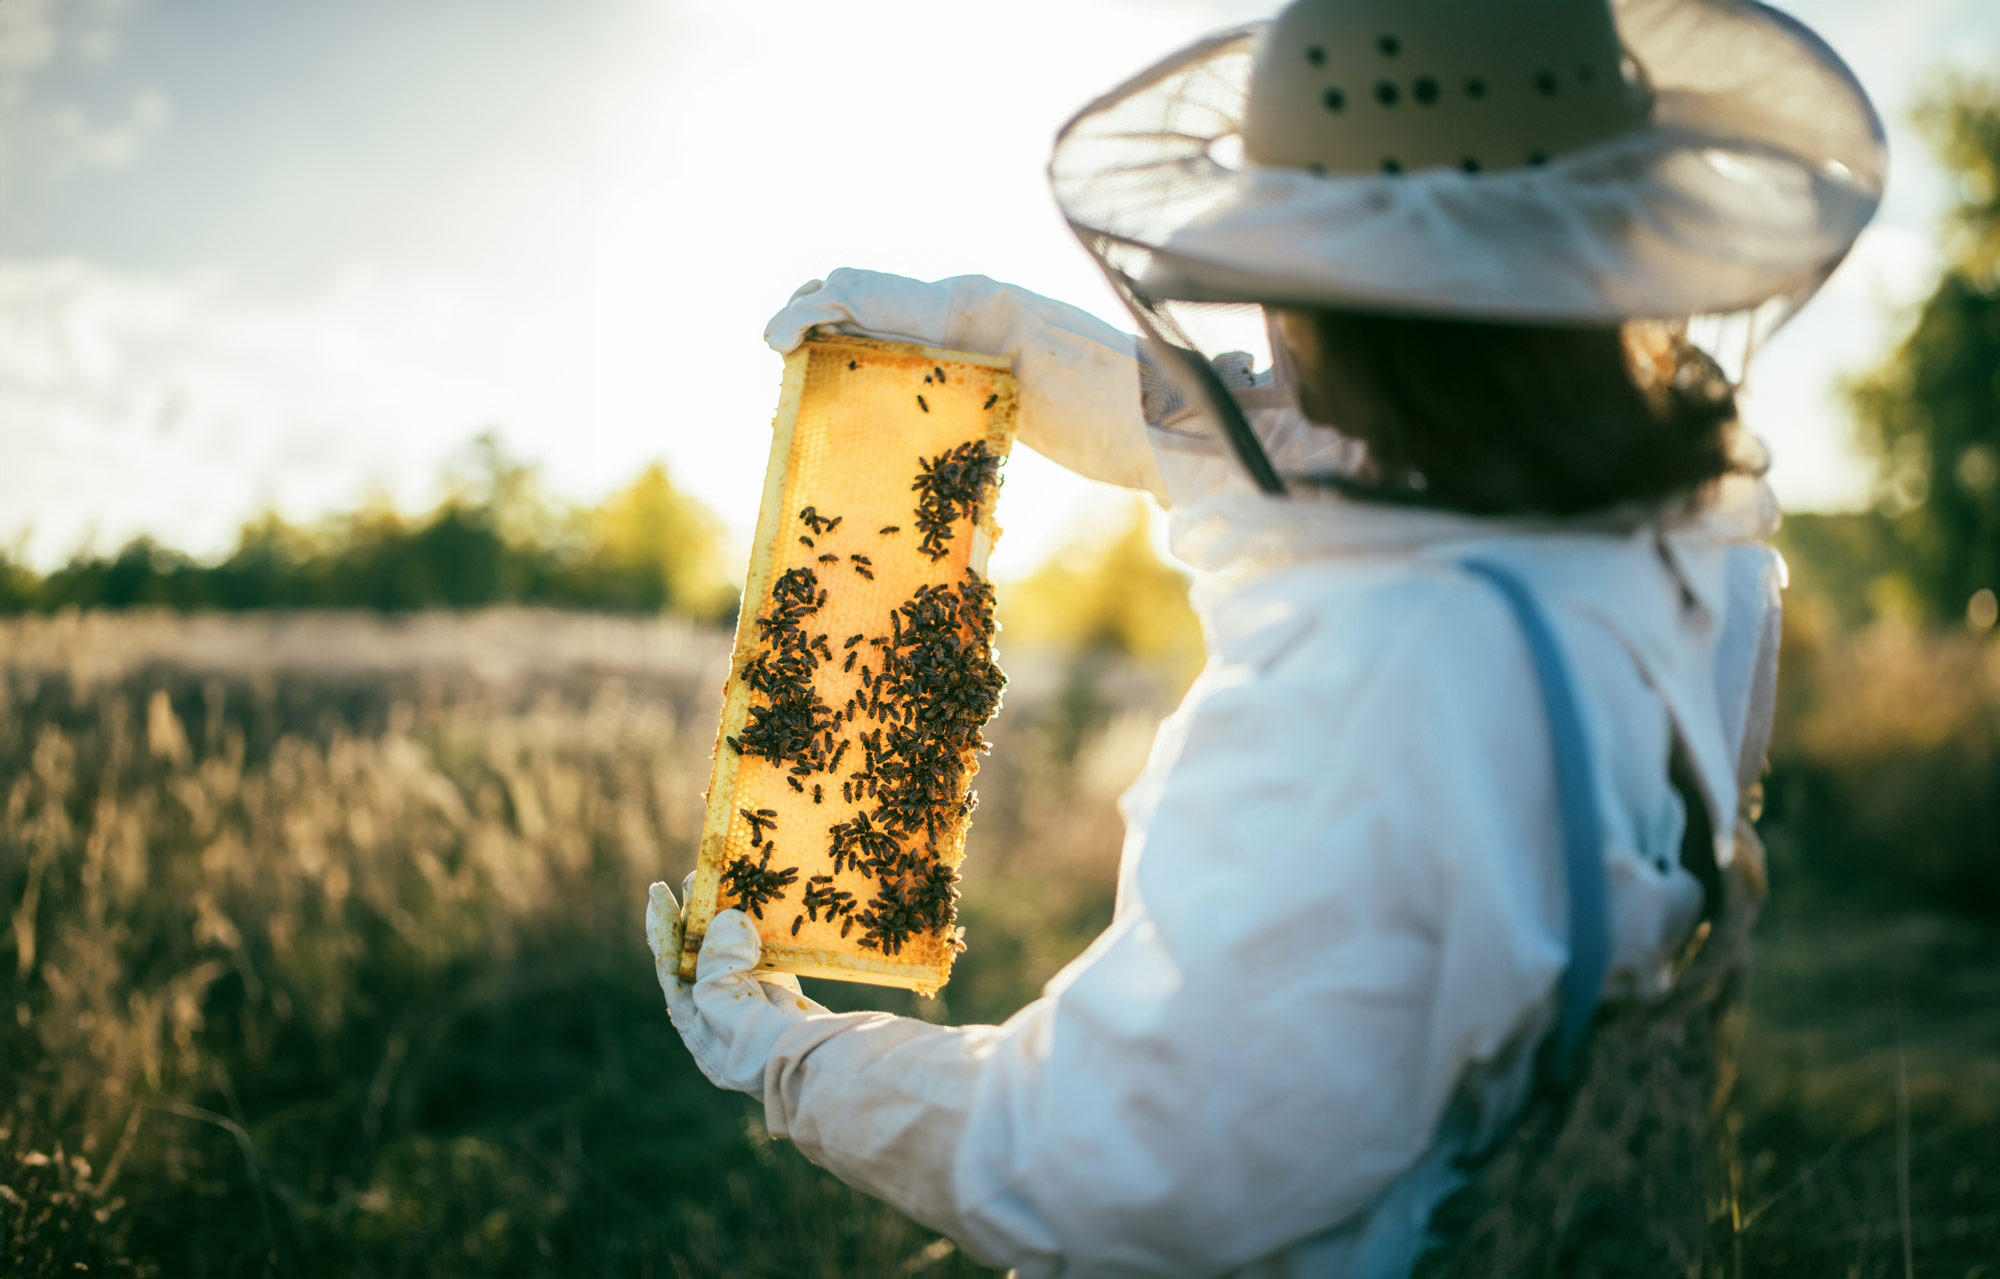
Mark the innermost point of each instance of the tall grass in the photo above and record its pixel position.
(1886, 771)
(322, 956)
(333, 965)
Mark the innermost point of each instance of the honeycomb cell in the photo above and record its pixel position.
(839, 795)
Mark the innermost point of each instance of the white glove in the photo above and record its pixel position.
(1078, 376)
(729, 1018)
(877, 1099)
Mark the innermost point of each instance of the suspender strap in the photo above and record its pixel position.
(1582, 824)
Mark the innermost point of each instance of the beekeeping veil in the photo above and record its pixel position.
(1702, 162)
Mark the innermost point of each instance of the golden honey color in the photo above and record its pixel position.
(848, 439)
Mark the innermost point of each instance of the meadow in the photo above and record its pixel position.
(323, 952)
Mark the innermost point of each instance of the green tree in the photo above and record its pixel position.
(273, 566)
(495, 537)
(650, 546)
(20, 587)
(1108, 605)
(1931, 412)
(1111, 594)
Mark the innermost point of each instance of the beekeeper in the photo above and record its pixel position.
(1490, 631)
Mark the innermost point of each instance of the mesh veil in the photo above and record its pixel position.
(1196, 101)
(1762, 162)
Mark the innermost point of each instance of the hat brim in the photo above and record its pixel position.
(1760, 163)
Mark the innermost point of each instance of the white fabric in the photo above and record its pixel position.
(1076, 373)
(1746, 665)
(1227, 531)
(728, 1018)
(733, 1023)
(1760, 162)
(1340, 913)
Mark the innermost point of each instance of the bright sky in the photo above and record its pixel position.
(258, 254)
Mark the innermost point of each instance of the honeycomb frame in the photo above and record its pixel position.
(854, 417)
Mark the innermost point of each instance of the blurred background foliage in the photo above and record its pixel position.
(1109, 593)
(1928, 550)
(494, 538)
(325, 952)
(1886, 764)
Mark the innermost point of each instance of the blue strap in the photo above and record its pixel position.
(1582, 823)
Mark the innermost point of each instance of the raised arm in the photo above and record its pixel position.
(1079, 377)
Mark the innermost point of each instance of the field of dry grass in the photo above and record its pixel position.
(322, 956)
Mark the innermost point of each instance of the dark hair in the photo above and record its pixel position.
(1517, 418)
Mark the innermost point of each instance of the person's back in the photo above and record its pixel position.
(1390, 888)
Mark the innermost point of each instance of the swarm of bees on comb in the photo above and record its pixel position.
(863, 673)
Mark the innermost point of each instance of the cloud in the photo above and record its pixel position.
(28, 43)
(179, 405)
(97, 27)
(90, 143)
(35, 33)
(46, 137)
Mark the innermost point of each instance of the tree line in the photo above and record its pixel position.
(1927, 548)
(494, 538)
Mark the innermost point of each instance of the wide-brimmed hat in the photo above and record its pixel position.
(1534, 161)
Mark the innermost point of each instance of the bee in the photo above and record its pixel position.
(848, 665)
(794, 782)
(940, 375)
(829, 558)
(861, 559)
(758, 821)
(803, 538)
(864, 572)
(851, 365)
(796, 921)
(852, 640)
(920, 403)
(753, 885)
(817, 797)
(887, 529)
(990, 399)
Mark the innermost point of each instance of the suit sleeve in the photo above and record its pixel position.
(1079, 377)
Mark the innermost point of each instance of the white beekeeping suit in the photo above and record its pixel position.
(1345, 925)
(1231, 1070)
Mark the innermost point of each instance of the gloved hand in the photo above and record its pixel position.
(729, 1018)
(1078, 376)
(881, 1101)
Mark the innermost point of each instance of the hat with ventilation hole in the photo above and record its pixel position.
(1531, 160)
